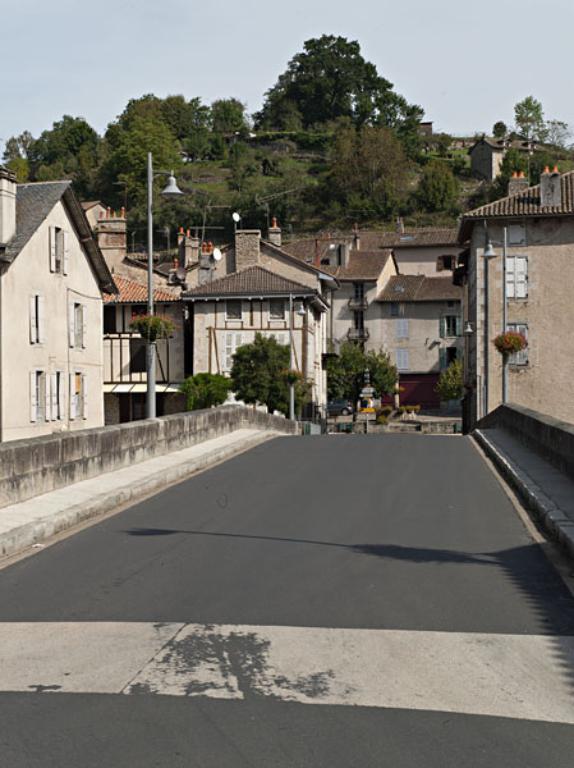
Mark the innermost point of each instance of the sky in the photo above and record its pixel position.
(465, 63)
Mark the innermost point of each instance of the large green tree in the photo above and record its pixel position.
(346, 372)
(529, 119)
(438, 187)
(328, 80)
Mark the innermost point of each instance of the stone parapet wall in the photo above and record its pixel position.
(550, 438)
(35, 466)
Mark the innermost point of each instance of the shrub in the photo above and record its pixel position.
(205, 390)
(381, 419)
(450, 385)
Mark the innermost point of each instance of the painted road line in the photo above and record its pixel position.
(516, 676)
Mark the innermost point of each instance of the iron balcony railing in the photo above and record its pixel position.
(357, 334)
(358, 303)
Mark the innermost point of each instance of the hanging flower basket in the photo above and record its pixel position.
(152, 327)
(510, 342)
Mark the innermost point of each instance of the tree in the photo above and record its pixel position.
(205, 390)
(558, 133)
(260, 374)
(529, 119)
(330, 79)
(346, 372)
(368, 172)
(450, 383)
(228, 116)
(438, 188)
(499, 130)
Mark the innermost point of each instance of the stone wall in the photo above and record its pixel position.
(31, 467)
(549, 437)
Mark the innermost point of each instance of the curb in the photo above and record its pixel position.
(21, 538)
(546, 512)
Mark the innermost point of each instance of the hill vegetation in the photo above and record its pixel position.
(333, 144)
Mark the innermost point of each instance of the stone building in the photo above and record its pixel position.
(537, 224)
(486, 155)
(52, 275)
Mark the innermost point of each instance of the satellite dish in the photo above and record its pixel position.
(217, 255)
(236, 217)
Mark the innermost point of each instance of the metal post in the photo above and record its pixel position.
(291, 361)
(486, 341)
(504, 318)
(150, 345)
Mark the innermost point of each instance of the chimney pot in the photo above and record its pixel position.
(274, 234)
(551, 189)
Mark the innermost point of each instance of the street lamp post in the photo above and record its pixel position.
(291, 361)
(489, 253)
(171, 190)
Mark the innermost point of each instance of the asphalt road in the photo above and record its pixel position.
(355, 601)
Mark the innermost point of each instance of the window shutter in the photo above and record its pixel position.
(52, 246)
(521, 274)
(47, 402)
(510, 277)
(33, 398)
(84, 396)
(60, 394)
(41, 319)
(66, 255)
(54, 396)
(442, 358)
(459, 325)
(72, 379)
(84, 315)
(71, 324)
(442, 327)
(33, 321)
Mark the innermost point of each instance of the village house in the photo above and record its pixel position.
(253, 286)
(535, 226)
(487, 155)
(52, 276)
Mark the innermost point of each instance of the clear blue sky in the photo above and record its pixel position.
(466, 63)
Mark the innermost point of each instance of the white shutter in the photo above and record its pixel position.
(33, 321)
(66, 254)
(84, 316)
(60, 394)
(52, 238)
(33, 397)
(521, 274)
(84, 396)
(53, 397)
(71, 324)
(41, 319)
(72, 395)
(510, 277)
(402, 328)
(47, 403)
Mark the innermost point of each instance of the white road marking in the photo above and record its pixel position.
(517, 676)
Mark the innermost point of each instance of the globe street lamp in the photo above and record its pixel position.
(170, 190)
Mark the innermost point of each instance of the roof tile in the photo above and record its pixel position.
(251, 281)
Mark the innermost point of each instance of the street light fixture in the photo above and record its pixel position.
(170, 190)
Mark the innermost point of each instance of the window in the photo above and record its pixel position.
(519, 358)
(445, 262)
(110, 325)
(78, 396)
(56, 399)
(402, 358)
(233, 310)
(232, 342)
(137, 355)
(397, 310)
(277, 309)
(402, 328)
(516, 277)
(77, 325)
(359, 321)
(450, 325)
(37, 313)
(59, 250)
(359, 291)
(517, 234)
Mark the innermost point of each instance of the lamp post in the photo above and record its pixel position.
(171, 190)
(301, 312)
(489, 253)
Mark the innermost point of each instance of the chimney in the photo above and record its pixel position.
(112, 235)
(344, 254)
(517, 184)
(356, 238)
(274, 234)
(188, 248)
(7, 206)
(247, 248)
(400, 226)
(205, 263)
(550, 188)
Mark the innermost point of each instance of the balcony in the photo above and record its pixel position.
(358, 304)
(357, 334)
(125, 359)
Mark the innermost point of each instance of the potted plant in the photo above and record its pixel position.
(510, 343)
(152, 327)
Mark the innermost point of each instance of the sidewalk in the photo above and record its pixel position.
(31, 522)
(543, 489)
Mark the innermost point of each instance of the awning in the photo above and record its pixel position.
(140, 388)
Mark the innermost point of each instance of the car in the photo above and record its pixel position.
(339, 407)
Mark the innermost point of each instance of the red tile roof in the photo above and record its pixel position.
(131, 292)
(253, 281)
(420, 288)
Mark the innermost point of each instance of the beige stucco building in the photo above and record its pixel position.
(538, 225)
(52, 276)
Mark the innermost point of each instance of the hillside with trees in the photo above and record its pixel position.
(333, 144)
